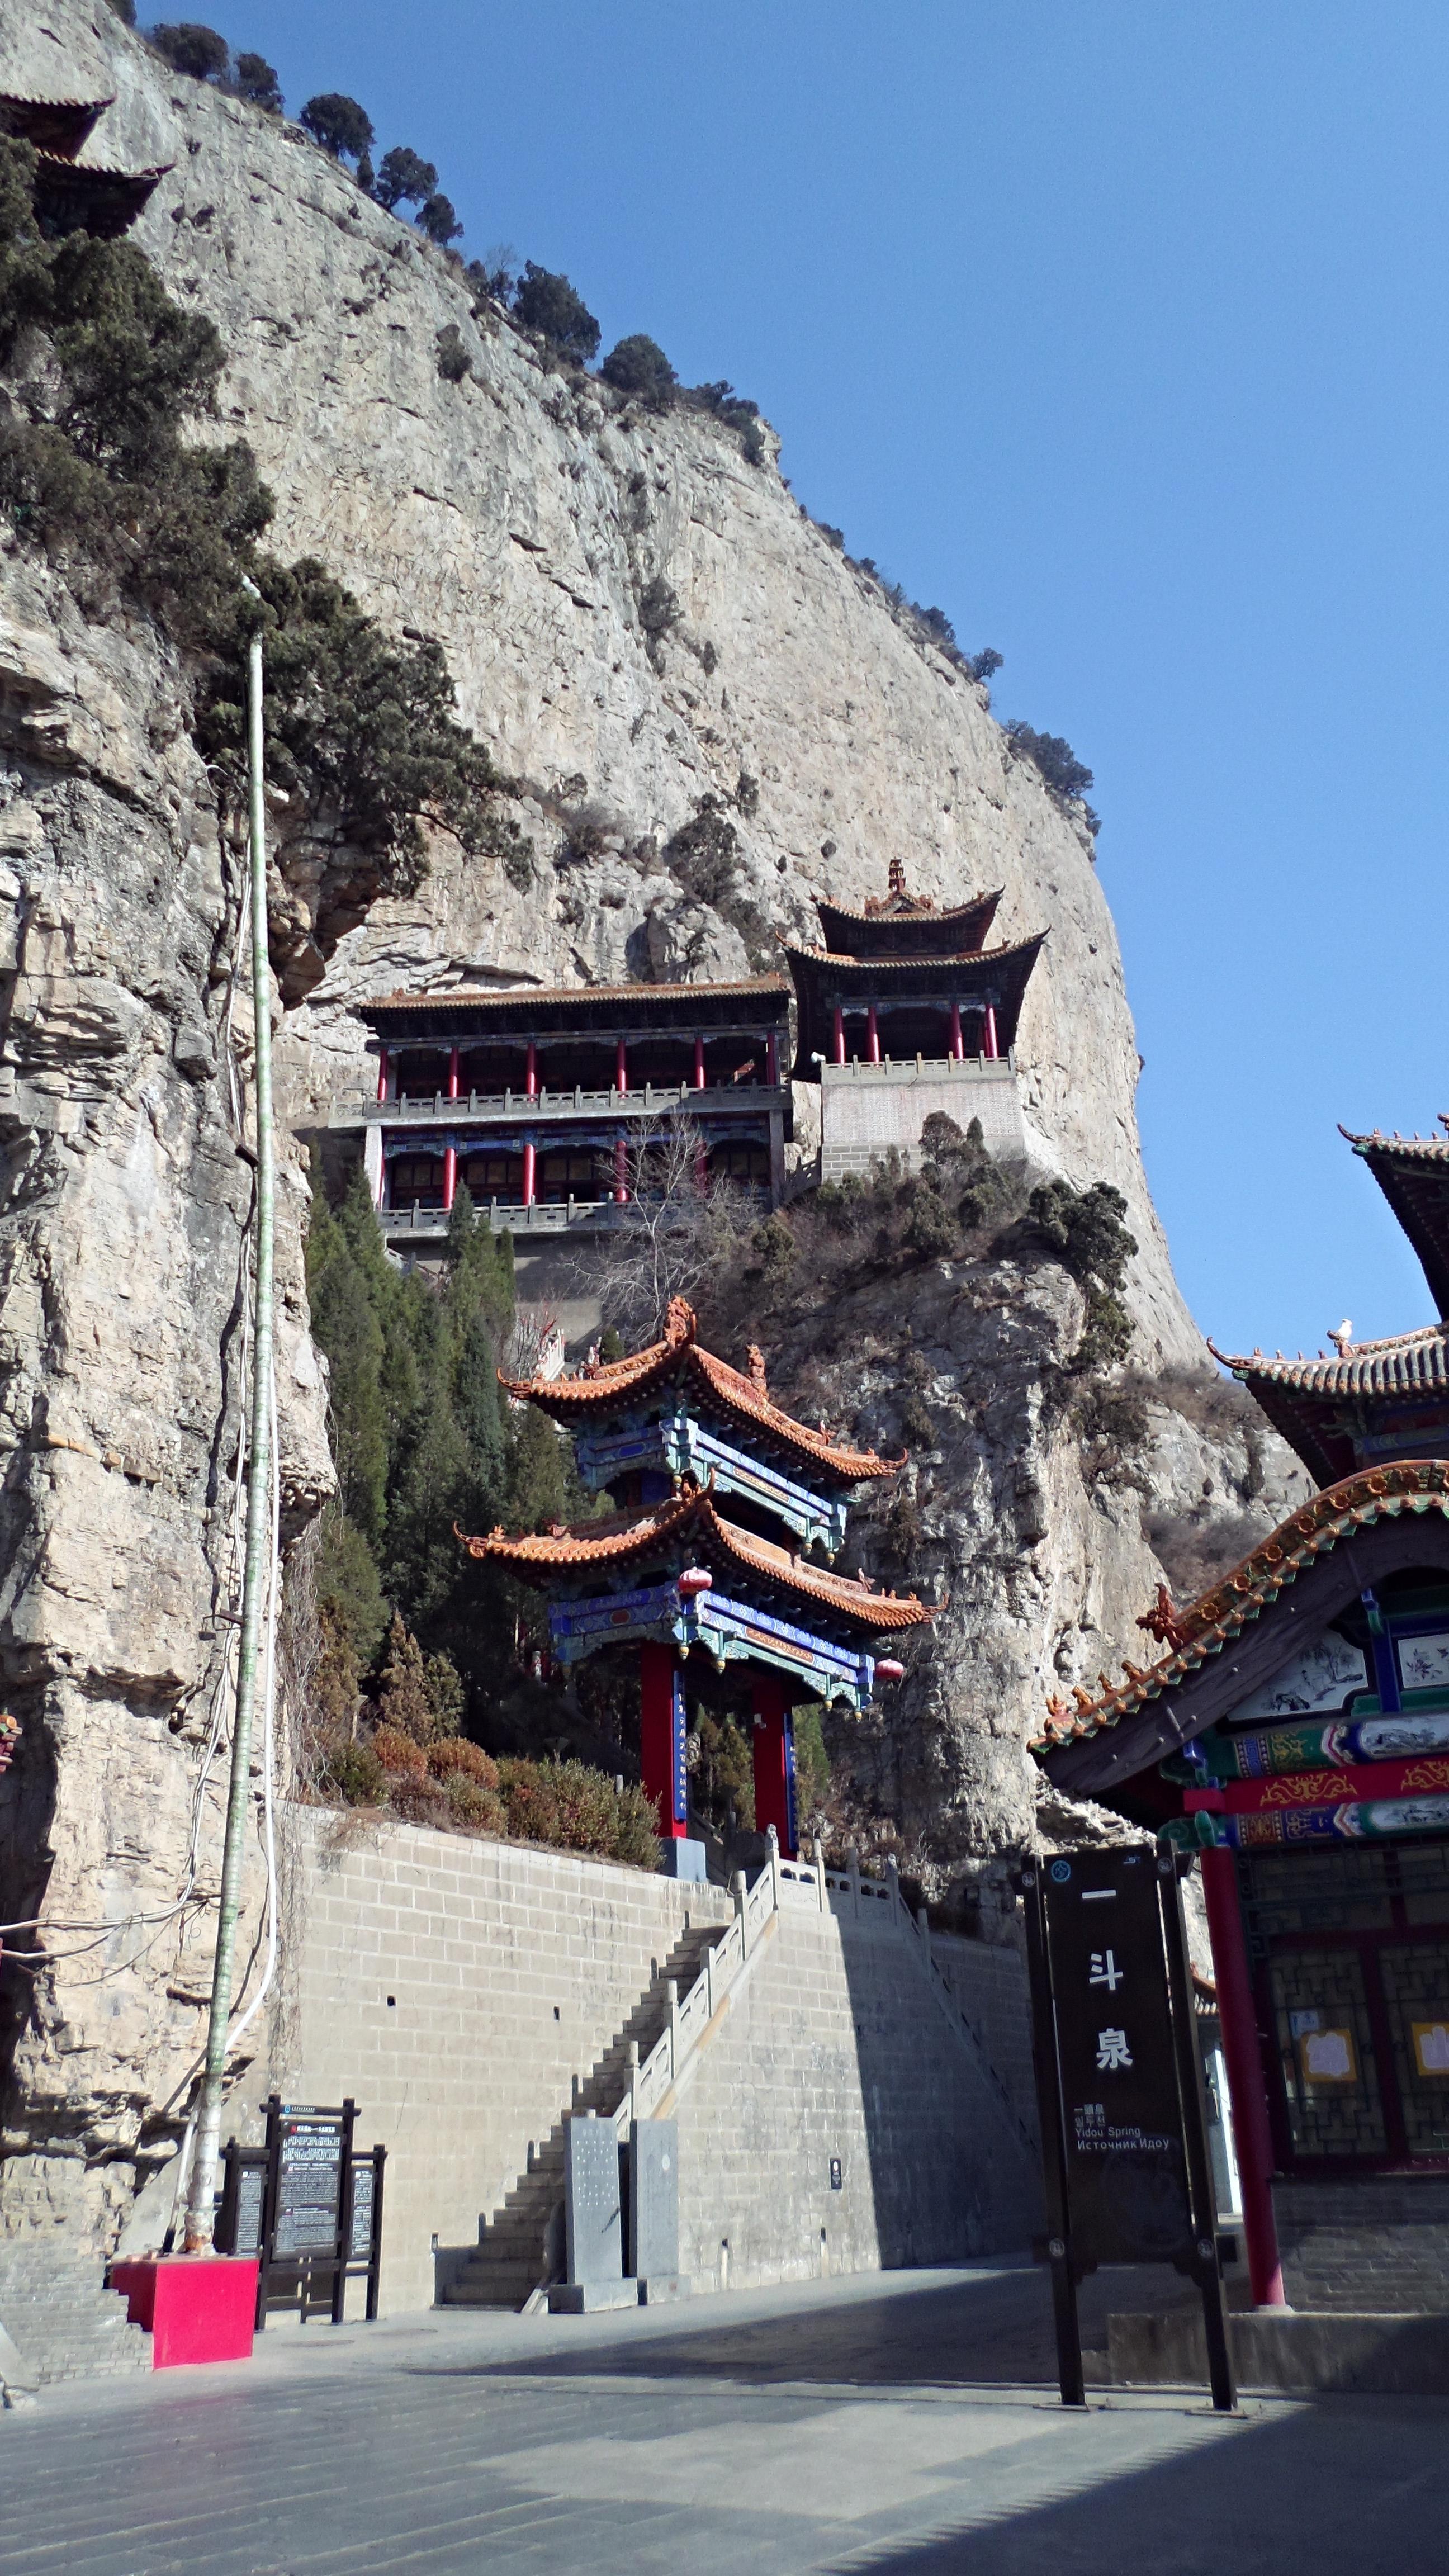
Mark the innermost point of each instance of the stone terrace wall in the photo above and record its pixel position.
(837, 2049)
(510, 1972)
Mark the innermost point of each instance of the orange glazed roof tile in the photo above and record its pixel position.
(625, 1536)
(1201, 1630)
(606, 1380)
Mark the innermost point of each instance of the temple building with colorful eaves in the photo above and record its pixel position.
(1294, 1729)
(715, 1569)
(904, 1012)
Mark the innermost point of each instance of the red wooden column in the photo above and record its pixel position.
(661, 1740)
(988, 1037)
(958, 1043)
(621, 1172)
(774, 1753)
(1252, 2134)
(530, 1171)
(621, 1067)
(839, 1036)
(872, 1035)
(772, 1061)
(383, 1061)
(530, 1078)
(699, 1064)
(450, 1154)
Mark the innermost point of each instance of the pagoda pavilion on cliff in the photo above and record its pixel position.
(903, 1012)
(1295, 1726)
(73, 195)
(708, 1569)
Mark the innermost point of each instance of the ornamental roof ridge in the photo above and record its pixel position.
(1361, 1368)
(921, 907)
(1204, 1626)
(1423, 1149)
(584, 1544)
(744, 1394)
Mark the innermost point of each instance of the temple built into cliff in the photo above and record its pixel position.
(72, 195)
(902, 1012)
(546, 1103)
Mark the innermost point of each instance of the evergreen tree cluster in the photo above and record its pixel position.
(421, 1444)
(97, 471)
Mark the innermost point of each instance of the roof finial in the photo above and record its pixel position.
(897, 876)
(1342, 1340)
(755, 1362)
(679, 1323)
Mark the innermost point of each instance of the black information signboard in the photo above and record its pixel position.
(308, 2207)
(1120, 2085)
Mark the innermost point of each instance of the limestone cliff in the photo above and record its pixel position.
(638, 618)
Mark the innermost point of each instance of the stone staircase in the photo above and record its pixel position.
(61, 2319)
(522, 2244)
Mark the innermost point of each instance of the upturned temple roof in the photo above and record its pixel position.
(627, 1539)
(606, 1384)
(1201, 1630)
(1413, 1173)
(904, 925)
(1301, 1397)
(581, 1006)
(56, 125)
(71, 195)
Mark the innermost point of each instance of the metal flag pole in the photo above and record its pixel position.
(257, 1575)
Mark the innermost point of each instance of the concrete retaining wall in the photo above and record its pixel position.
(865, 1110)
(838, 2050)
(509, 1972)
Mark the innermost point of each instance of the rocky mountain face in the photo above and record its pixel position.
(644, 628)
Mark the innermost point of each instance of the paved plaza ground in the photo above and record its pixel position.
(904, 2424)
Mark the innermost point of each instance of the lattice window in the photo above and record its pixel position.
(1416, 1993)
(1326, 2051)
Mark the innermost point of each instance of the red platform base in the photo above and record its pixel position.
(195, 2307)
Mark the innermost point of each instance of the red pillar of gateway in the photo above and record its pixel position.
(1252, 2134)
(988, 1036)
(774, 1752)
(661, 1740)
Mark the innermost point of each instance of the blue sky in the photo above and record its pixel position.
(1118, 330)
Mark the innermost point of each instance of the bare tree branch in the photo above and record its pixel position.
(677, 1228)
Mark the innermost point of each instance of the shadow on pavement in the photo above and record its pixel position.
(983, 2330)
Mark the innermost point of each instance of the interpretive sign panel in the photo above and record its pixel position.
(309, 2207)
(1120, 2086)
(309, 2182)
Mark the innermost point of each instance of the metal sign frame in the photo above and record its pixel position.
(1070, 2247)
(309, 2279)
